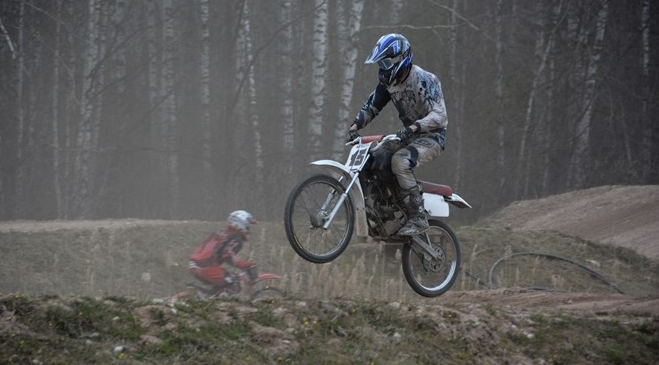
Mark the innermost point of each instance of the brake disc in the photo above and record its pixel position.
(434, 265)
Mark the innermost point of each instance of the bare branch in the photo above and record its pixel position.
(9, 42)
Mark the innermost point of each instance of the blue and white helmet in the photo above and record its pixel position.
(241, 220)
(393, 54)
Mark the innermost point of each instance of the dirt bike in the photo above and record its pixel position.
(247, 284)
(323, 211)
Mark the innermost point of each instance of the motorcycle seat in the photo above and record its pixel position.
(432, 188)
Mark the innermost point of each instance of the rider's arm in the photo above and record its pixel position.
(436, 118)
(240, 264)
(231, 257)
(372, 107)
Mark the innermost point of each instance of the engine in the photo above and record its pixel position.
(384, 217)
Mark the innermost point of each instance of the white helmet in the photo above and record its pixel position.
(241, 220)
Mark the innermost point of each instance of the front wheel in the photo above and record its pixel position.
(428, 276)
(268, 293)
(308, 209)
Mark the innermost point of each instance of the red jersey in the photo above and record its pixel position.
(220, 247)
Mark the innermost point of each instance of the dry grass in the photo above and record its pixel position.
(151, 261)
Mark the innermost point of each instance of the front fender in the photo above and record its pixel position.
(357, 195)
(267, 276)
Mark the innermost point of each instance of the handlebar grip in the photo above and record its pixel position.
(368, 139)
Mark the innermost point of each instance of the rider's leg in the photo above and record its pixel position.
(213, 275)
(418, 152)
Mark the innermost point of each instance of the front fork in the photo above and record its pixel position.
(338, 204)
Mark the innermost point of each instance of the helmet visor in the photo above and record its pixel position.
(388, 63)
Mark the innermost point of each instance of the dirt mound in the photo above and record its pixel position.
(624, 216)
(110, 330)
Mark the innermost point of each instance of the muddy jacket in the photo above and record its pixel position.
(418, 99)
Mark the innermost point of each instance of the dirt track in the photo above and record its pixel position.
(625, 216)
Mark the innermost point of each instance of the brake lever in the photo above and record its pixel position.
(354, 141)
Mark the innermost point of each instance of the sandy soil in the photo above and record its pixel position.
(625, 216)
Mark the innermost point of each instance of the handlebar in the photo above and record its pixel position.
(376, 138)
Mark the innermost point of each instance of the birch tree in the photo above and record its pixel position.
(288, 138)
(154, 80)
(318, 78)
(59, 198)
(578, 160)
(20, 113)
(206, 131)
(498, 93)
(540, 56)
(253, 110)
(169, 107)
(86, 126)
(119, 21)
(458, 92)
(349, 57)
(646, 119)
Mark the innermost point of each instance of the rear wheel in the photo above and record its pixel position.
(308, 209)
(430, 276)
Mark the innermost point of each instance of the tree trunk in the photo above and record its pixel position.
(498, 93)
(20, 69)
(646, 119)
(579, 159)
(85, 136)
(206, 130)
(348, 77)
(319, 74)
(169, 109)
(156, 94)
(457, 85)
(253, 109)
(540, 55)
(59, 198)
(287, 88)
(119, 49)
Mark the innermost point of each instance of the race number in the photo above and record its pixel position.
(357, 156)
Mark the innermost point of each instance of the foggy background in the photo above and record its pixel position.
(189, 109)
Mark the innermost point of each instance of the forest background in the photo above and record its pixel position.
(182, 109)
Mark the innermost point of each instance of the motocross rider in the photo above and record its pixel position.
(222, 247)
(417, 96)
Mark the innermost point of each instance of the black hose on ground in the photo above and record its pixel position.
(593, 273)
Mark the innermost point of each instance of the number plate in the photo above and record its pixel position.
(357, 156)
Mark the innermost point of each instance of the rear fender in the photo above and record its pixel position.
(456, 200)
(357, 195)
(438, 206)
(435, 205)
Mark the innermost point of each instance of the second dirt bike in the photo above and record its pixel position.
(248, 284)
(323, 211)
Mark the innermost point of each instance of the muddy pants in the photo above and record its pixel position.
(423, 149)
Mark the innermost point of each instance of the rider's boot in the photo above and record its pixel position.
(417, 222)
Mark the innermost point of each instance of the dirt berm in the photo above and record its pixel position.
(626, 216)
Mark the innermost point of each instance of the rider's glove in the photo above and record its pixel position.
(404, 134)
(252, 273)
(353, 135)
